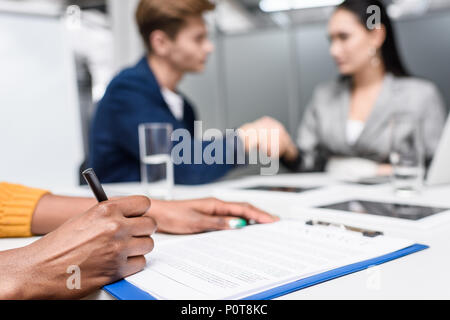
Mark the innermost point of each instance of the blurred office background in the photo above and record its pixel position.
(57, 57)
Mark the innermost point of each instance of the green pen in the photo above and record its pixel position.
(237, 223)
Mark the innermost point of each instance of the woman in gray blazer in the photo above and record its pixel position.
(349, 118)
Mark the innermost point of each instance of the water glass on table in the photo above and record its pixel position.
(155, 146)
(407, 155)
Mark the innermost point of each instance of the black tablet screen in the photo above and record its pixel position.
(403, 211)
(279, 189)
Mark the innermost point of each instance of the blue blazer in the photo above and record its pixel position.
(134, 97)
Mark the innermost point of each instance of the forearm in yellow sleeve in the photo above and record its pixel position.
(17, 205)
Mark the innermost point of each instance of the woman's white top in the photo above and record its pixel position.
(354, 130)
(175, 103)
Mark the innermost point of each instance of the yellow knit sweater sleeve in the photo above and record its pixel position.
(17, 205)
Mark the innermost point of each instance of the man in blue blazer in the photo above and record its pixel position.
(176, 39)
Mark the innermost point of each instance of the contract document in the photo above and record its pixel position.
(237, 264)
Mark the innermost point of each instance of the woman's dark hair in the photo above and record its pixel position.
(389, 51)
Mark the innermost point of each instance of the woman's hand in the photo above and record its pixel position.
(105, 244)
(195, 216)
(270, 137)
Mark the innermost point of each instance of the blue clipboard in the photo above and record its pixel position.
(123, 290)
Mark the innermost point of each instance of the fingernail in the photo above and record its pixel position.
(237, 223)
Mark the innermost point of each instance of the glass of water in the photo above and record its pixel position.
(155, 146)
(407, 155)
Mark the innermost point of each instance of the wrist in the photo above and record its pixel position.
(10, 290)
(155, 208)
(13, 284)
(53, 211)
(29, 276)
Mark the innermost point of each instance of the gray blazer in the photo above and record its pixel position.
(322, 133)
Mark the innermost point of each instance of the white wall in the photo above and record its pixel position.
(40, 135)
(128, 46)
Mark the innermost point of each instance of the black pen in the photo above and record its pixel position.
(95, 185)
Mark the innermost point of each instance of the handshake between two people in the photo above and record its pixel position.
(106, 243)
(270, 138)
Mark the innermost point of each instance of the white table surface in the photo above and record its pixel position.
(422, 275)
